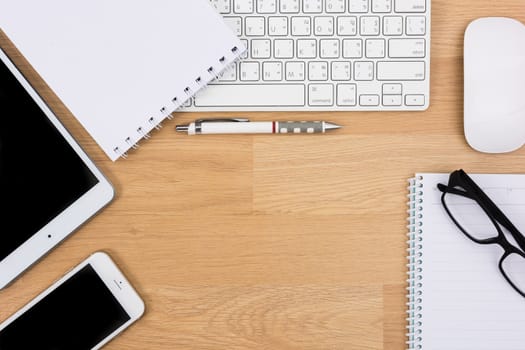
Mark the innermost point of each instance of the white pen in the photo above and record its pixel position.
(244, 126)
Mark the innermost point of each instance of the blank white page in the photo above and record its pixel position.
(116, 63)
(466, 302)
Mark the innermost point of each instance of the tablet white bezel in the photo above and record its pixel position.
(114, 280)
(68, 220)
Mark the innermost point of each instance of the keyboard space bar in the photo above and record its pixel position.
(278, 95)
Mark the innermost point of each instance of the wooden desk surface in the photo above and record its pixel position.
(270, 242)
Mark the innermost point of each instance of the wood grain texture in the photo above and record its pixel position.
(266, 242)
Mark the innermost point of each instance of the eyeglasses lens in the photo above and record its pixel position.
(513, 267)
(470, 216)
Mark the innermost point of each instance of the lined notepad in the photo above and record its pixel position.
(458, 298)
(121, 66)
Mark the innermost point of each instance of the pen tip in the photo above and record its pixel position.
(331, 126)
(181, 128)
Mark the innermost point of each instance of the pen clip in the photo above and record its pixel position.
(240, 120)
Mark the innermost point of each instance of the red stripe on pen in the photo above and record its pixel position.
(273, 127)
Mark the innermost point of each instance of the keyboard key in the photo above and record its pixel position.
(283, 48)
(416, 25)
(324, 26)
(392, 89)
(246, 45)
(289, 6)
(392, 25)
(364, 70)
(369, 100)
(249, 71)
(346, 94)
(346, 26)
(381, 6)
(410, 6)
(277, 26)
(272, 71)
(223, 6)
(318, 71)
(235, 23)
(370, 25)
(320, 94)
(295, 71)
(406, 48)
(341, 70)
(352, 48)
(266, 6)
(271, 95)
(187, 103)
(375, 48)
(392, 100)
(393, 70)
(243, 6)
(329, 48)
(312, 6)
(255, 26)
(358, 6)
(301, 26)
(229, 74)
(261, 48)
(335, 6)
(415, 100)
(307, 48)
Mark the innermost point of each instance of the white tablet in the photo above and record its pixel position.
(48, 185)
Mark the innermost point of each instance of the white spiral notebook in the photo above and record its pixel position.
(121, 66)
(457, 297)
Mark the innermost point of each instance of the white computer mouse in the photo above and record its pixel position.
(494, 72)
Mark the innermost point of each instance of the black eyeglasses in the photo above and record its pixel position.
(464, 201)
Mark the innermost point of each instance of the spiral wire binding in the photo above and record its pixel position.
(133, 145)
(121, 154)
(144, 135)
(415, 262)
(177, 102)
(215, 74)
(166, 113)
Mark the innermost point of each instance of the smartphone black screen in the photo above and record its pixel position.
(77, 315)
(40, 173)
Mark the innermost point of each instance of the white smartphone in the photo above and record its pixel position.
(85, 309)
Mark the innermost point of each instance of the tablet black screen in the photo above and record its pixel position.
(40, 174)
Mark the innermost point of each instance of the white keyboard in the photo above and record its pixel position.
(324, 55)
